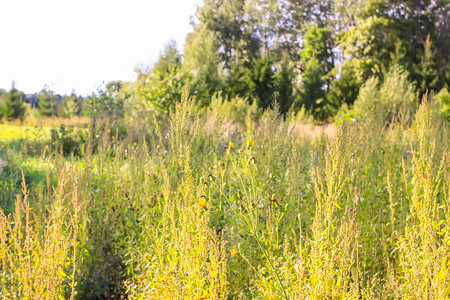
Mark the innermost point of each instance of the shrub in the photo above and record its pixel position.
(395, 98)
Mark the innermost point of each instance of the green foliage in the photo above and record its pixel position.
(158, 89)
(235, 36)
(318, 44)
(260, 81)
(395, 99)
(447, 77)
(443, 98)
(11, 105)
(236, 84)
(159, 93)
(109, 103)
(315, 55)
(203, 61)
(426, 71)
(235, 109)
(68, 140)
(317, 62)
(47, 103)
(368, 98)
(285, 84)
(312, 91)
(343, 90)
(169, 60)
(69, 106)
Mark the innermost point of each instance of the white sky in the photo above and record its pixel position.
(78, 44)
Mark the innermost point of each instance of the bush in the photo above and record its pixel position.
(394, 99)
(68, 140)
(234, 109)
(443, 98)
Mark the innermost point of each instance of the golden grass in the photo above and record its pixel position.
(10, 132)
(201, 209)
(50, 122)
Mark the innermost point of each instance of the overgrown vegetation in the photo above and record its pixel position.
(204, 207)
(311, 162)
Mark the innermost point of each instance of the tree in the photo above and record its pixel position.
(168, 60)
(159, 88)
(260, 81)
(110, 101)
(317, 63)
(236, 37)
(69, 106)
(11, 104)
(395, 98)
(426, 71)
(47, 102)
(285, 84)
(344, 88)
(312, 93)
(202, 61)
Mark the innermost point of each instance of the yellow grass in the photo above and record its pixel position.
(17, 132)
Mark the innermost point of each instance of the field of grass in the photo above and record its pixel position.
(198, 209)
(20, 132)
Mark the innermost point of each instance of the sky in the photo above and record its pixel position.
(78, 45)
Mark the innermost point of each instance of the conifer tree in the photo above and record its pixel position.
(11, 104)
(47, 103)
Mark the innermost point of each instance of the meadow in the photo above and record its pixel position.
(199, 207)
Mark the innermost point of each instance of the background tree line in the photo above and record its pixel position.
(107, 102)
(304, 54)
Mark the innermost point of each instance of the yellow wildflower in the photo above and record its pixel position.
(233, 252)
(250, 142)
(201, 202)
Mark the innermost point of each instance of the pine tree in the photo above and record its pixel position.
(202, 59)
(260, 81)
(168, 60)
(285, 84)
(47, 103)
(317, 61)
(11, 104)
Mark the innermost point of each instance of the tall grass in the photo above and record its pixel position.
(38, 245)
(198, 208)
